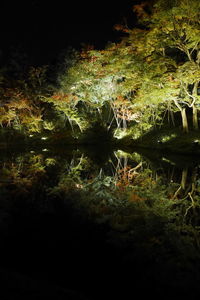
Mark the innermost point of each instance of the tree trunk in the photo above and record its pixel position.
(183, 115)
(195, 118)
(184, 178)
(184, 121)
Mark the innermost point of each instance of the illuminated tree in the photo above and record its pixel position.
(167, 51)
(131, 84)
(154, 68)
(100, 87)
(174, 33)
(21, 105)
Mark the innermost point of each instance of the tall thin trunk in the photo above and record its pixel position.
(184, 178)
(171, 117)
(183, 116)
(184, 121)
(124, 121)
(195, 118)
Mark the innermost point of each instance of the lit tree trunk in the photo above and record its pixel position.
(194, 109)
(195, 118)
(184, 121)
(183, 116)
(192, 182)
(124, 120)
(184, 178)
(115, 114)
(172, 117)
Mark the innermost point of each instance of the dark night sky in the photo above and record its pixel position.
(43, 28)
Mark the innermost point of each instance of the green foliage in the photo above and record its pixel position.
(143, 220)
(128, 86)
(140, 78)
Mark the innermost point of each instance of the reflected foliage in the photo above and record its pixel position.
(143, 207)
(150, 208)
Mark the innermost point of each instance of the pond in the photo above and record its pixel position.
(93, 223)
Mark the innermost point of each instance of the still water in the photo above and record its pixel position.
(86, 223)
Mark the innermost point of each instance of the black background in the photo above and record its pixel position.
(44, 28)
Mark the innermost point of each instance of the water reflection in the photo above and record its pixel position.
(110, 212)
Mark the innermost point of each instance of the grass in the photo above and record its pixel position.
(167, 139)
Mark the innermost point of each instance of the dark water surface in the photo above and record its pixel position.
(65, 234)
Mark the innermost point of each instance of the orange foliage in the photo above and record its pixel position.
(125, 177)
(139, 9)
(67, 98)
(85, 51)
(135, 198)
(123, 109)
(19, 104)
(120, 27)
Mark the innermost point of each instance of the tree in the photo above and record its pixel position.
(154, 68)
(21, 105)
(174, 30)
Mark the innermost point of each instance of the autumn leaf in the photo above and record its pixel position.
(135, 198)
